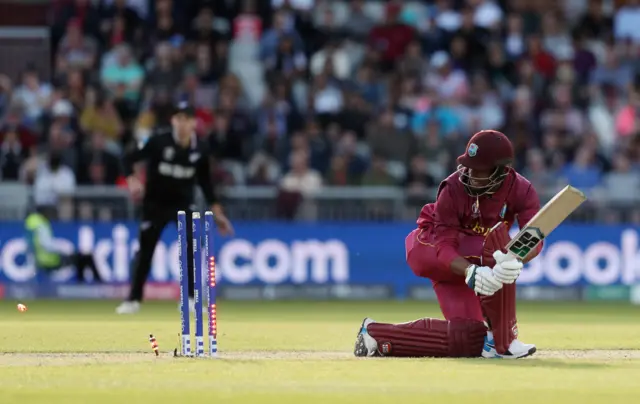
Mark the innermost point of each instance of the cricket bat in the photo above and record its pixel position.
(545, 221)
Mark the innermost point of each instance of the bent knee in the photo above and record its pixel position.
(466, 338)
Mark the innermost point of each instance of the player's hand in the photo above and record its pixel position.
(135, 186)
(224, 225)
(482, 280)
(507, 268)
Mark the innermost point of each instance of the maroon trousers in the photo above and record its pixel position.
(462, 332)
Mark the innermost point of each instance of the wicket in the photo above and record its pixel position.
(212, 315)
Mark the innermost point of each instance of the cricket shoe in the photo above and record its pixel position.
(366, 345)
(517, 349)
(128, 307)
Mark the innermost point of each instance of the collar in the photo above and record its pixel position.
(192, 145)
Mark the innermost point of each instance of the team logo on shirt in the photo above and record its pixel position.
(168, 153)
(472, 150)
(503, 211)
(475, 209)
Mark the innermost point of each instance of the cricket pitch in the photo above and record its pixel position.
(301, 352)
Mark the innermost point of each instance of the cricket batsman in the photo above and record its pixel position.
(459, 245)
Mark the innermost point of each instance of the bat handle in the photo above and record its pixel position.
(501, 257)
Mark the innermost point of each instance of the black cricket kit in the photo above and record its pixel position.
(172, 171)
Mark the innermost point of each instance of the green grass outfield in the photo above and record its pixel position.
(301, 352)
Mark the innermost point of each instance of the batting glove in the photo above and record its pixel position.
(507, 268)
(482, 280)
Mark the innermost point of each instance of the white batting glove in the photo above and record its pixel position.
(507, 268)
(482, 280)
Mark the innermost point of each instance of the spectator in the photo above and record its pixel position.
(621, 185)
(391, 38)
(360, 23)
(103, 118)
(287, 61)
(446, 17)
(12, 154)
(124, 78)
(419, 179)
(542, 178)
(270, 41)
(336, 56)
(449, 83)
(583, 173)
(474, 35)
(75, 89)
(223, 142)
(595, 23)
(327, 98)
(53, 181)
(204, 30)
(301, 178)
(99, 165)
(120, 22)
(33, 96)
(76, 50)
(611, 71)
(514, 44)
(555, 40)
(367, 85)
(60, 142)
(263, 170)
(164, 75)
(387, 141)
(377, 175)
(80, 12)
(626, 21)
(487, 14)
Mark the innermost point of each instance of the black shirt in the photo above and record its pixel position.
(172, 171)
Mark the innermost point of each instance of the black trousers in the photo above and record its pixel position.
(154, 221)
(80, 262)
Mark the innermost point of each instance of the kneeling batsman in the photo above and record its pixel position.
(496, 337)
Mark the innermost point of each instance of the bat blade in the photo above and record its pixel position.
(545, 221)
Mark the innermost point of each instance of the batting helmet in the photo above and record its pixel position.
(487, 150)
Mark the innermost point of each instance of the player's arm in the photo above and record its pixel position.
(142, 152)
(529, 210)
(203, 173)
(447, 230)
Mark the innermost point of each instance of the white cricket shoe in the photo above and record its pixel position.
(517, 349)
(128, 307)
(366, 345)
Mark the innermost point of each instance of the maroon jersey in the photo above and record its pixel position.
(459, 222)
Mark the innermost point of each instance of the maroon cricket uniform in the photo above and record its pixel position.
(456, 225)
(474, 209)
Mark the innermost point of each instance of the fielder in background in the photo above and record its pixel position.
(176, 161)
(45, 252)
(456, 245)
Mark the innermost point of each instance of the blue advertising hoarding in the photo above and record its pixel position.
(276, 253)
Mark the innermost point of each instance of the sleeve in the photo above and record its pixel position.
(530, 207)
(204, 178)
(66, 183)
(45, 239)
(447, 226)
(142, 152)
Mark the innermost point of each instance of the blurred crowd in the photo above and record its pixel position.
(310, 93)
